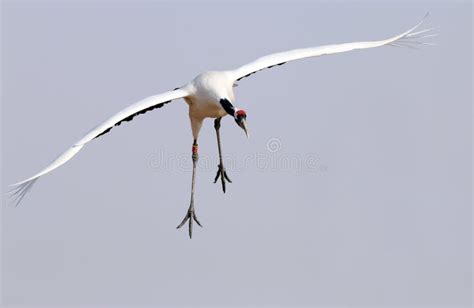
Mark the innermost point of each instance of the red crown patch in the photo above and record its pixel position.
(241, 113)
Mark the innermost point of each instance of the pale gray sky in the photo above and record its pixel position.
(354, 189)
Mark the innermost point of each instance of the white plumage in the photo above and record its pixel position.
(210, 95)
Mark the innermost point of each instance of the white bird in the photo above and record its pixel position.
(211, 95)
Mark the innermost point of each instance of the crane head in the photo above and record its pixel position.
(240, 117)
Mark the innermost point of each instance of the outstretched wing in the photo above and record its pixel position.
(19, 189)
(408, 38)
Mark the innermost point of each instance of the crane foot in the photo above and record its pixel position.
(221, 173)
(190, 215)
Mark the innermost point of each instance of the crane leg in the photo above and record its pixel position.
(191, 215)
(221, 173)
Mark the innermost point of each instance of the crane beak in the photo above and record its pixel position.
(243, 125)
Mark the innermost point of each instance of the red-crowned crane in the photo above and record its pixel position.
(211, 95)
